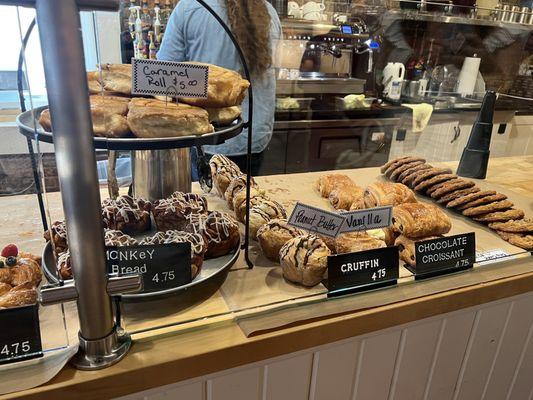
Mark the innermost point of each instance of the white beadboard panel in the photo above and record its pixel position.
(511, 347)
(375, 366)
(481, 350)
(242, 385)
(288, 379)
(522, 384)
(414, 361)
(194, 391)
(449, 352)
(341, 359)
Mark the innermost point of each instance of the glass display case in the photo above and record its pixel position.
(399, 151)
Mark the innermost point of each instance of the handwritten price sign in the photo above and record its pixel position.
(154, 77)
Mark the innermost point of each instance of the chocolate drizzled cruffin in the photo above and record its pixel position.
(484, 206)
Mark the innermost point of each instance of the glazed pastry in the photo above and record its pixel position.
(108, 115)
(428, 183)
(347, 197)
(223, 116)
(21, 295)
(273, 235)
(126, 214)
(156, 119)
(514, 226)
(226, 88)
(117, 238)
(418, 220)
(113, 77)
(386, 235)
(20, 274)
(327, 183)
(483, 200)
(398, 163)
(198, 246)
(500, 216)
(236, 185)
(387, 194)
(64, 266)
(522, 240)
(456, 194)
(357, 241)
(444, 188)
(405, 176)
(57, 236)
(394, 175)
(406, 247)
(219, 230)
(261, 212)
(223, 170)
(304, 260)
(172, 213)
(197, 202)
(488, 208)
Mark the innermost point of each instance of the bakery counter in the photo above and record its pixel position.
(255, 315)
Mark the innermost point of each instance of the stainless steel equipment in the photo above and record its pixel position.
(159, 173)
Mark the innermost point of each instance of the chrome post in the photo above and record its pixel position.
(159, 173)
(62, 49)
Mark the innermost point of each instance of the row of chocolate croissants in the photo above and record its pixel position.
(345, 195)
(412, 221)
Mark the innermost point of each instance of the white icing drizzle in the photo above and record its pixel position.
(216, 226)
(125, 206)
(196, 240)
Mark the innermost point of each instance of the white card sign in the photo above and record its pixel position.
(316, 220)
(176, 79)
(370, 218)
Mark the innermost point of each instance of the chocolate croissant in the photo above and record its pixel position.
(406, 247)
(327, 183)
(418, 220)
(387, 194)
(343, 197)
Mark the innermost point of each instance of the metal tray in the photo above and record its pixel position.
(221, 134)
(211, 269)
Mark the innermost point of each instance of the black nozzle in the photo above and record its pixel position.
(475, 158)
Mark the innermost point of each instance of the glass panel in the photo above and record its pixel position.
(356, 86)
(28, 177)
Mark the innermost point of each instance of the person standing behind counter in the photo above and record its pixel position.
(192, 34)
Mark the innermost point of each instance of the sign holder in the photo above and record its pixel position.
(20, 338)
(362, 271)
(462, 256)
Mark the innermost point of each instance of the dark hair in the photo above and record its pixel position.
(250, 23)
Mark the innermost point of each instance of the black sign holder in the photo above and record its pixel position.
(361, 280)
(423, 271)
(20, 336)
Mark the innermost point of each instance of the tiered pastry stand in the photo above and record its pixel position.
(160, 167)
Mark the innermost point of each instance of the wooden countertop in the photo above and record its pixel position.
(173, 354)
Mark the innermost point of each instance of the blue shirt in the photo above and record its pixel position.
(192, 34)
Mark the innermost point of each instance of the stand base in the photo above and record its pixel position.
(102, 353)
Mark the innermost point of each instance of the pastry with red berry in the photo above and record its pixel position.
(20, 274)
